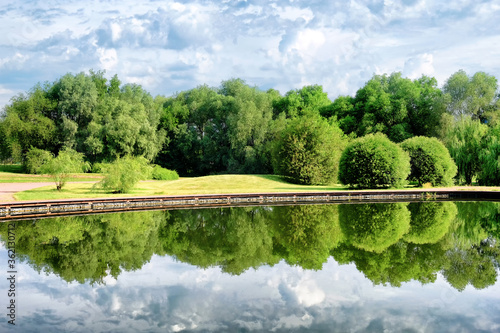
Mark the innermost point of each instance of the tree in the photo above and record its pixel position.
(249, 126)
(60, 168)
(471, 96)
(430, 161)
(489, 158)
(296, 103)
(35, 158)
(124, 173)
(372, 161)
(465, 142)
(308, 151)
(26, 124)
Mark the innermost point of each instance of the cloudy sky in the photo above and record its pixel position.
(170, 46)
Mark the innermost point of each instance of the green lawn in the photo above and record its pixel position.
(199, 185)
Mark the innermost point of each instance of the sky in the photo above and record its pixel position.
(173, 46)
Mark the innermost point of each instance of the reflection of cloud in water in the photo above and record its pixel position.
(168, 296)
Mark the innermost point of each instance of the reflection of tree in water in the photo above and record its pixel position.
(88, 248)
(389, 243)
(304, 235)
(233, 238)
(430, 221)
(374, 227)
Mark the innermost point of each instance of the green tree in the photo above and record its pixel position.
(249, 123)
(26, 124)
(474, 96)
(308, 151)
(373, 161)
(35, 158)
(430, 161)
(296, 103)
(465, 142)
(124, 173)
(489, 158)
(68, 161)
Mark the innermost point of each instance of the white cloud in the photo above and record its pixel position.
(175, 46)
(420, 65)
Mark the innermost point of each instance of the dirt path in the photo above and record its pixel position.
(7, 190)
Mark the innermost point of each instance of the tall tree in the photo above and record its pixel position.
(474, 96)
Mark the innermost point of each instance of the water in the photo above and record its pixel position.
(399, 267)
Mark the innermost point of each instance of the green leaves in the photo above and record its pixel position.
(124, 173)
(373, 161)
(430, 161)
(308, 151)
(60, 168)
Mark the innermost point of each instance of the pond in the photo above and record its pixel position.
(396, 267)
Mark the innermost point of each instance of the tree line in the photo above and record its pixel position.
(237, 128)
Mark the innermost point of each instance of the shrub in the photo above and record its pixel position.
(309, 150)
(372, 161)
(159, 173)
(122, 175)
(99, 167)
(35, 158)
(60, 168)
(430, 161)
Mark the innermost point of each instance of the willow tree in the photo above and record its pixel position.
(465, 142)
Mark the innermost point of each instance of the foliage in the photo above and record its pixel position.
(309, 150)
(474, 96)
(395, 106)
(159, 173)
(373, 161)
(300, 102)
(430, 161)
(374, 227)
(465, 142)
(489, 159)
(35, 158)
(60, 168)
(430, 221)
(124, 173)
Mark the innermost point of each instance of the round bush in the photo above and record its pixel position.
(159, 173)
(309, 150)
(372, 161)
(430, 161)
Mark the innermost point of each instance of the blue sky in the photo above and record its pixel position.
(171, 46)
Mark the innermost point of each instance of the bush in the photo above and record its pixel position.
(372, 161)
(99, 167)
(35, 158)
(159, 173)
(60, 168)
(122, 175)
(430, 161)
(309, 150)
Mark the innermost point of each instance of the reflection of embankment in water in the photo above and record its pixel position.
(390, 243)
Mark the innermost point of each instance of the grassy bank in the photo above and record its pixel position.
(199, 185)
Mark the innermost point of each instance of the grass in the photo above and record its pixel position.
(199, 185)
